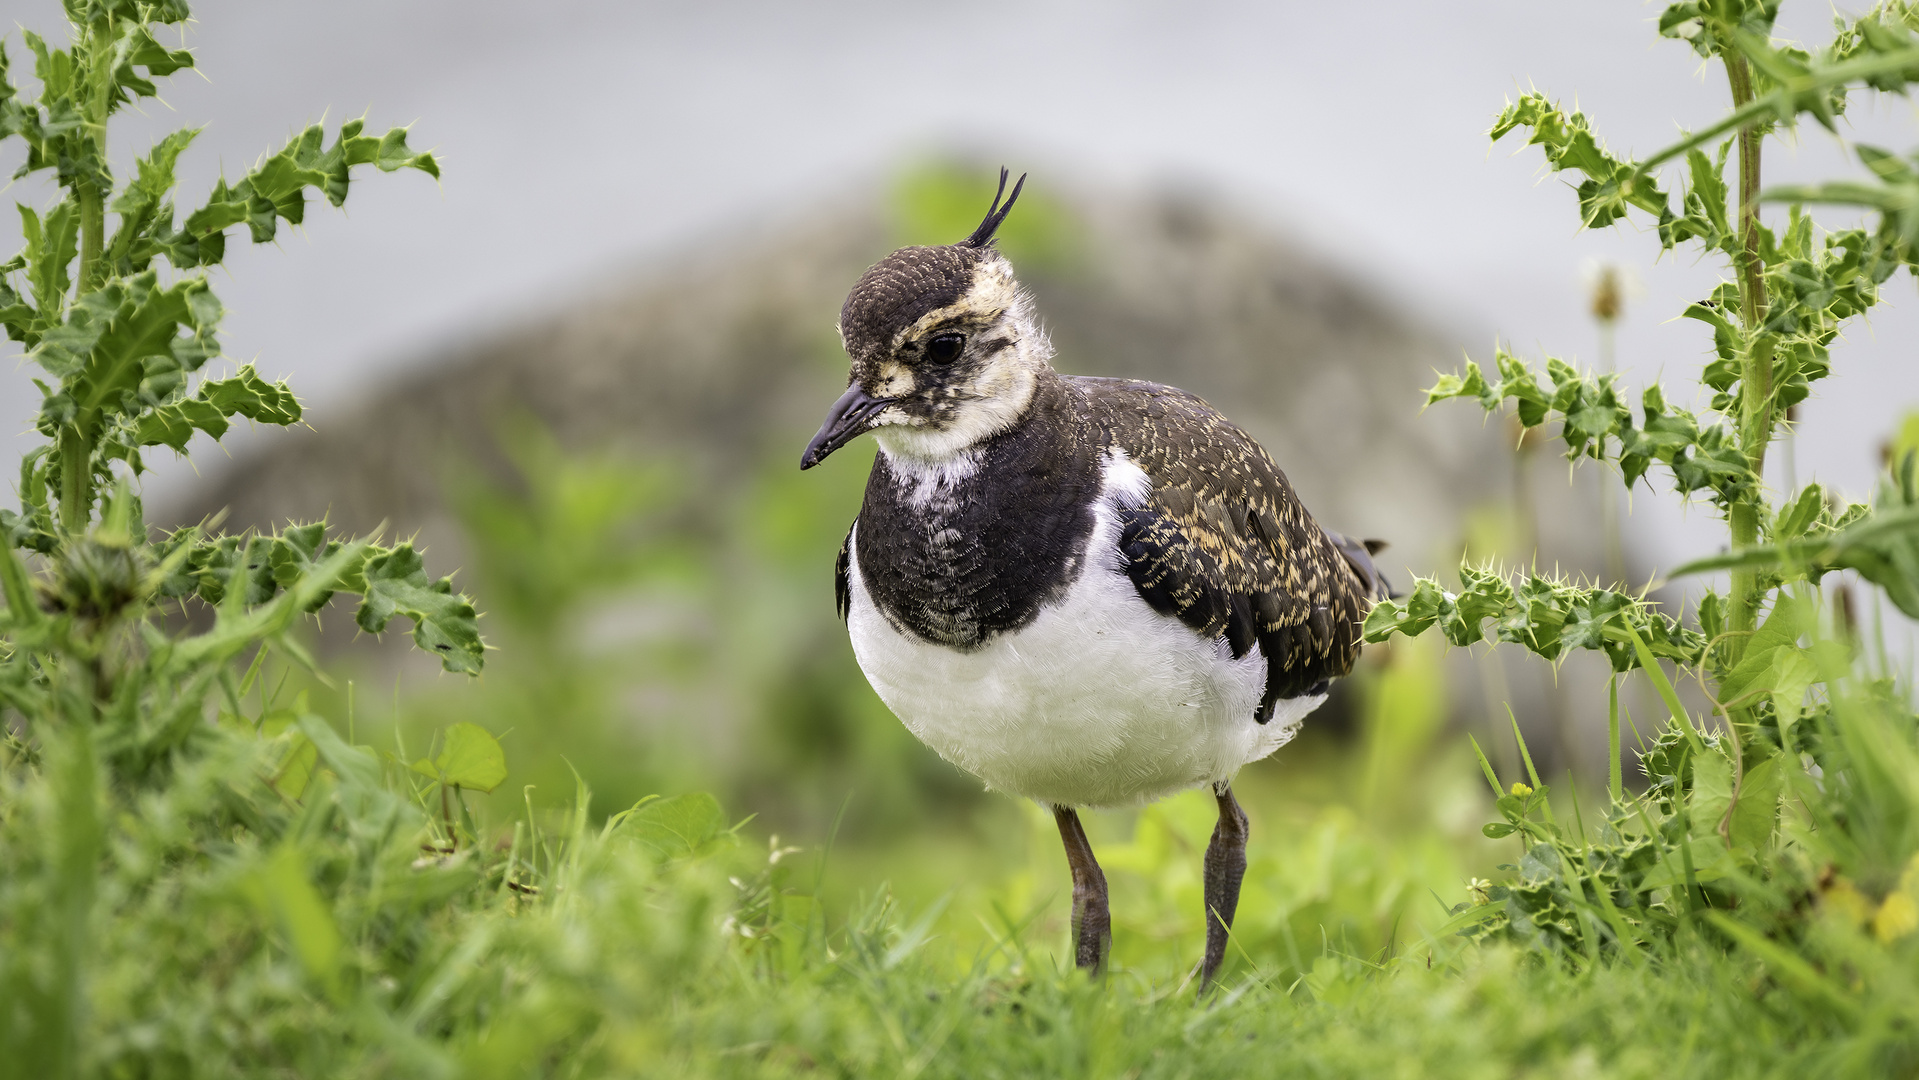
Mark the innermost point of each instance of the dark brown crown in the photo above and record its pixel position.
(912, 281)
(902, 288)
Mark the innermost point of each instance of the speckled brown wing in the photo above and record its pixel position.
(1224, 544)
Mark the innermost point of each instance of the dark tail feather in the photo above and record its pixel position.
(1359, 555)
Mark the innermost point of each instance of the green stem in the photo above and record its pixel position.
(76, 480)
(1755, 404)
(1615, 783)
(1752, 285)
(93, 235)
(1608, 495)
(76, 445)
(97, 42)
(73, 877)
(1755, 415)
(76, 450)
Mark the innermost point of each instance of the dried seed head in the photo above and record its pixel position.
(1606, 300)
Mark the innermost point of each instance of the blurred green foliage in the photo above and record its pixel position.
(938, 201)
(644, 654)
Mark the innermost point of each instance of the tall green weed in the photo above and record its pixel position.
(145, 807)
(1777, 828)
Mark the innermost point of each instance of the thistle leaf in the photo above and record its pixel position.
(444, 622)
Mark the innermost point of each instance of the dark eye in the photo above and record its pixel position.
(945, 348)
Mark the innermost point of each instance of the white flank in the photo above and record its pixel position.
(1099, 701)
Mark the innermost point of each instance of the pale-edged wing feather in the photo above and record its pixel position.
(1225, 545)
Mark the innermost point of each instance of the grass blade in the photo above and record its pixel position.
(1650, 664)
(1615, 783)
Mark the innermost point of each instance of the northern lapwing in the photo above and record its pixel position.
(1089, 592)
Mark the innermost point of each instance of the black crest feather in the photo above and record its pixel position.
(983, 236)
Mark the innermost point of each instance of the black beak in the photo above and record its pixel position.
(846, 421)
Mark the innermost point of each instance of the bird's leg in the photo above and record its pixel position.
(1092, 925)
(1225, 869)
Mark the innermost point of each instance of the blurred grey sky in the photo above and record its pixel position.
(581, 139)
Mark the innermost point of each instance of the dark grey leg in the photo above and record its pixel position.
(1092, 924)
(1225, 869)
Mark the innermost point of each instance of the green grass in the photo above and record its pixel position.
(358, 930)
(637, 961)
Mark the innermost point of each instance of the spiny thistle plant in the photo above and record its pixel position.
(1785, 822)
(198, 874)
(105, 709)
(122, 344)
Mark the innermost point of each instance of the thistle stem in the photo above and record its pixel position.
(1755, 420)
(76, 446)
(93, 234)
(97, 44)
(76, 480)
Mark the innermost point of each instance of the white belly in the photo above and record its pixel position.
(1099, 701)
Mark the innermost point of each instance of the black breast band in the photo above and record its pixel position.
(957, 562)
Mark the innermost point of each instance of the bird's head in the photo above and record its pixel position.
(945, 348)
